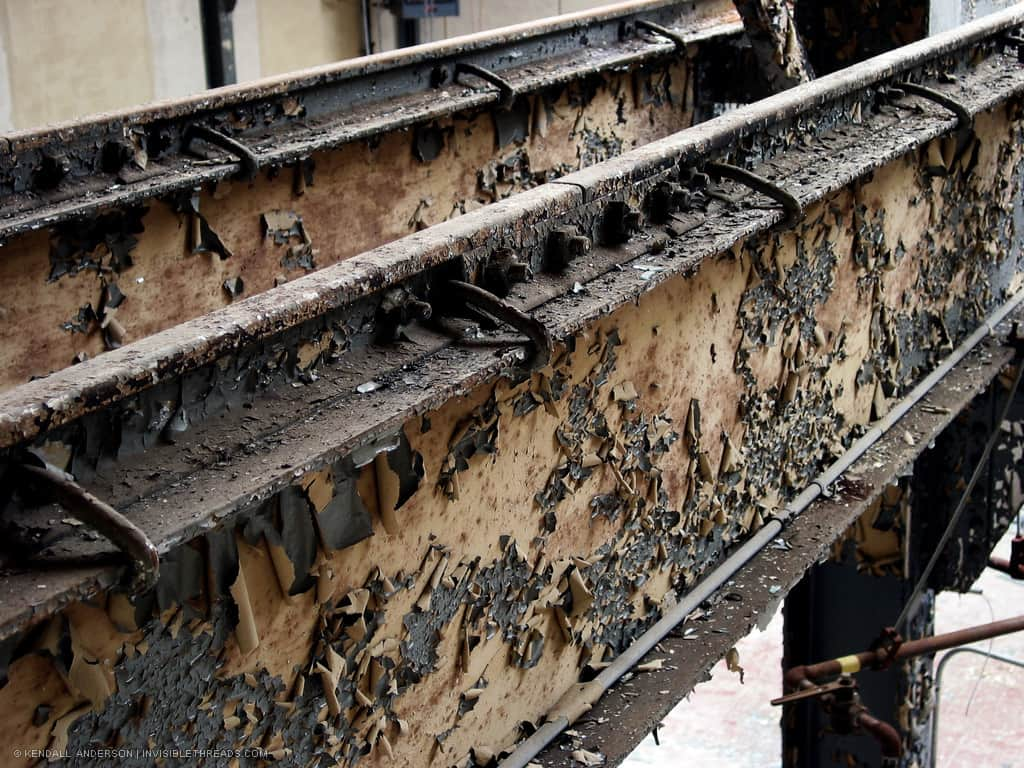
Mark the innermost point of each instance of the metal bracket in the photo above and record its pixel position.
(966, 120)
(814, 692)
(508, 92)
(658, 29)
(501, 310)
(248, 159)
(794, 210)
(887, 646)
(100, 516)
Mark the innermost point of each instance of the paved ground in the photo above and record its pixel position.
(724, 723)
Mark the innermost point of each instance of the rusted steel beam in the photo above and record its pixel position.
(172, 212)
(517, 226)
(75, 169)
(359, 511)
(627, 713)
(772, 32)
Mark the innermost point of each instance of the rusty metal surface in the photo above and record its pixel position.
(282, 449)
(631, 710)
(377, 535)
(172, 260)
(73, 170)
(171, 227)
(514, 224)
(168, 259)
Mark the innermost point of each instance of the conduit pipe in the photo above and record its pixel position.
(938, 684)
(583, 696)
(808, 674)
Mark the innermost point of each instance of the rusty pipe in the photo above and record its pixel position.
(1005, 566)
(807, 675)
(888, 738)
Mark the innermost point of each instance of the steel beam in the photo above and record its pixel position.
(359, 511)
(630, 711)
(156, 216)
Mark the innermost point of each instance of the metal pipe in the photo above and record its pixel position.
(218, 41)
(959, 637)
(580, 699)
(807, 675)
(938, 684)
(364, 9)
(888, 738)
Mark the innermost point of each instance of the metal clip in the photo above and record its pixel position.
(794, 211)
(249, 161)
(658, 29)
(501, 310)
(965, 121)
(963, 115)
(101, 517)
(508, 93)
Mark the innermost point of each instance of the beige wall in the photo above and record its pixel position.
(477, 15)
(305, 33)
(68, 57)
(63, 58)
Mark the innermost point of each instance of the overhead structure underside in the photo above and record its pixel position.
(398, 524)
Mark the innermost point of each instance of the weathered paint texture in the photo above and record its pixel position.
(170, 260)
(413, 603)
(772, 32)
(888, 547)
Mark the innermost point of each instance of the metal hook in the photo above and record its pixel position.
(794, 211)
(668, 34)
(532, 328)
(99, 516)
(247, 158)
(965, 118)
(508, 92)
(965, 121)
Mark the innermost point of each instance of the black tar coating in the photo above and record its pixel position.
(73, 245)
(408, 465)
(345, 520)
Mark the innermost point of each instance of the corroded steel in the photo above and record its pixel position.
(773, 34)
(227, 195)
(627, 714)
(130, 155)
(376, 543)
